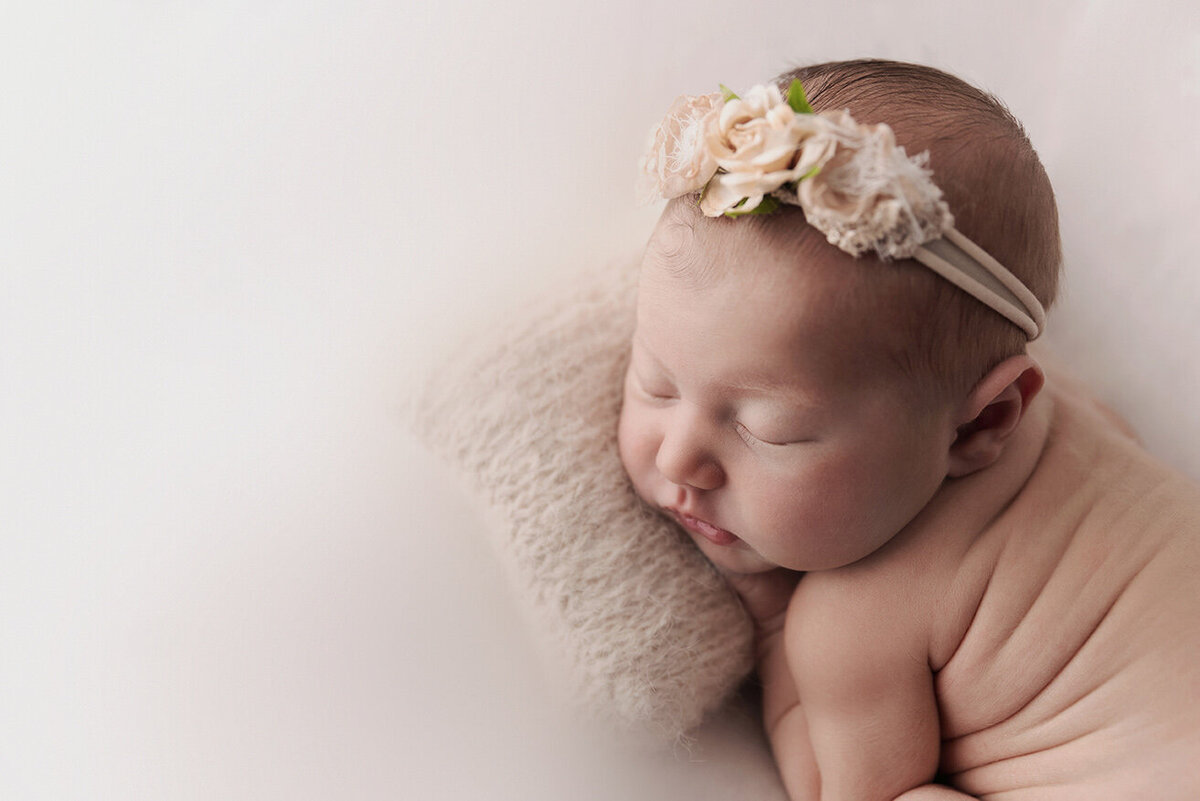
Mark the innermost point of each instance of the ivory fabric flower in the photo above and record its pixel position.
(677, 160)
(760, 144)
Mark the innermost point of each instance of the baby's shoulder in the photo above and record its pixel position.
(883, 600)
(840, 623)
(1095, 461)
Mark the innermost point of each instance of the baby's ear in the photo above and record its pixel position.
(991, 412)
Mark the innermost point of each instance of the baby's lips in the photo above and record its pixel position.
(714, 534)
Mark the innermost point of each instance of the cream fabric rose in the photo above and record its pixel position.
(677, 159)
(757, 142)
(871, 196)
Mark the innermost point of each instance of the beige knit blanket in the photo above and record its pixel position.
(634, 626)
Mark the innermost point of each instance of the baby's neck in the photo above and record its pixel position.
(980, 497)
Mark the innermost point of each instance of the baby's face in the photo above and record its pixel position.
(764, 422)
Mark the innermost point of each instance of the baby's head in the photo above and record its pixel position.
(793, 405)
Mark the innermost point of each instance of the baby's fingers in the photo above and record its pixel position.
(765, 596)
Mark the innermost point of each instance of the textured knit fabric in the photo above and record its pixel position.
(635, 624)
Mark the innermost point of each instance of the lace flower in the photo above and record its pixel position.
(871, 195)
(678, 160)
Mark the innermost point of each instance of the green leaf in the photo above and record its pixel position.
(816, 168)
(728, 94)
(732, 209)
(768, 205)
(797, 99)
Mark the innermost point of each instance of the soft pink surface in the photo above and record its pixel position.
(229, 233)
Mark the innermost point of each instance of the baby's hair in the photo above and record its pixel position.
(992, 180)
(996, 188)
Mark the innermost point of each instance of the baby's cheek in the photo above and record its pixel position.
(808, 510)
(631, 444)
(778, 511)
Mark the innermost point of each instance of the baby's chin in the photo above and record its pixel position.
(738, 558)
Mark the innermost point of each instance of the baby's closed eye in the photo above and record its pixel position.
(654, 388)
(769, 437)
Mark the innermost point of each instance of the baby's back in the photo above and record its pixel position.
(1067, 644)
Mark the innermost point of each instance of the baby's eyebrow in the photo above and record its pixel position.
(792, 393)
(644, 354)
(743, 382)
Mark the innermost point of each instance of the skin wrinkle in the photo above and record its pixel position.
(1095, 630)
(978, 604)
(972, 781)
(1058, 674)
(1003, 636)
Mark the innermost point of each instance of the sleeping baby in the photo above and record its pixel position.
(967, 578)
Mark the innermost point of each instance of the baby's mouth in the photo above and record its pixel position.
(714, 534)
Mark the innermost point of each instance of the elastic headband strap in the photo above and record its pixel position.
(973, 270)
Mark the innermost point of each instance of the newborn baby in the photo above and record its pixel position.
(998, 594)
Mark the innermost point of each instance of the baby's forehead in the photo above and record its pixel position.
(810, 294)
(761, 282)
(701, 250)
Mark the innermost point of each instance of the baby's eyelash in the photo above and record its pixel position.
(753, 439)
(658, 396)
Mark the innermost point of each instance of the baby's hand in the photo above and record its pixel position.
(765, 597)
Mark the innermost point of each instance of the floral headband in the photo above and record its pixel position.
(748, 155)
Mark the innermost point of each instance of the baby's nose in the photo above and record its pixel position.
(685, 457)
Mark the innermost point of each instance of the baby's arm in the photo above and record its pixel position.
(849, 703)
(766, 597)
